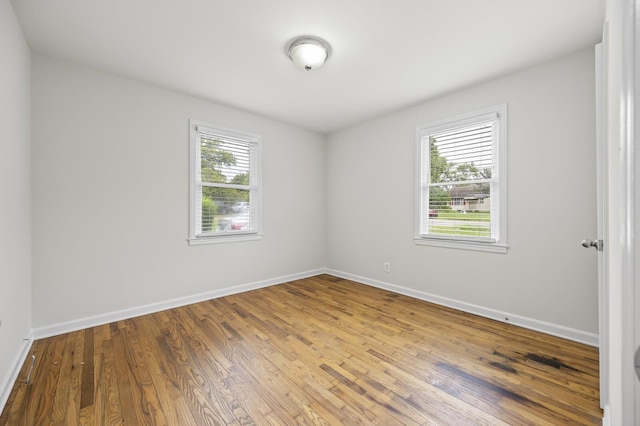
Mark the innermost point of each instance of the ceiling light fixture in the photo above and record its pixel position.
(308, 52)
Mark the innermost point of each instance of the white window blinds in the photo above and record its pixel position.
(225, 184)
(459, 192)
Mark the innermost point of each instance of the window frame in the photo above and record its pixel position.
(498, 242)
(255, 183)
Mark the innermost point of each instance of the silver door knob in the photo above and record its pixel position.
(596, 244)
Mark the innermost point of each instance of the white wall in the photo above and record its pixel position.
(546, 275)
(110, 198)
(15, 198)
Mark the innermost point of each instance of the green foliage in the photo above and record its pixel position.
(226, 196)
(485, 173)
(439, 165)
(209, 210)
(464, 171)
(229, 196)
(446, 171)
(467, 171)
(241, 179)
(439, 198)
(211, 158)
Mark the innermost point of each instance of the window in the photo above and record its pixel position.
(460, 182)
(225, 185)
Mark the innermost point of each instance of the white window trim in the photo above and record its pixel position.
(499, 214)
(194, 167)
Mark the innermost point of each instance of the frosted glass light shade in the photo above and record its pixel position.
(308, 52)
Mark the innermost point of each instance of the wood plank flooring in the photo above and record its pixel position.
(318, 351)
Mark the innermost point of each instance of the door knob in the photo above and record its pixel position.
(596, 244)
(637, 363)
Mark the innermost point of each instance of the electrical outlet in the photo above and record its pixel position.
(387, 267)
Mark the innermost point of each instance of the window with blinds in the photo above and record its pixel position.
(224, 184)
(460, 182)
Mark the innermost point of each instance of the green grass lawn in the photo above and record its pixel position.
(458, 225)
(469, 216)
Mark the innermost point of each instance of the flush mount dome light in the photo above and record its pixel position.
(308, 52)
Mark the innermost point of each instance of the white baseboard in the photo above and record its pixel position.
(532, 324)
(605, 416)
(79, 324)
(548, 328)
(7, 382)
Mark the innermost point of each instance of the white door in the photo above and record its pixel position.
(600, 242)
(635, 198)
(622, 92)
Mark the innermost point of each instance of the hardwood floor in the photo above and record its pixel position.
(321, 350)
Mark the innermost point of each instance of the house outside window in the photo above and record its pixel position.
(225, 196)
(461, 181)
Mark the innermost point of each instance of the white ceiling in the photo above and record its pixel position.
(387, 54)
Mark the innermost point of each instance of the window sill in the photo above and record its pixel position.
(221, 239)
(462, 245)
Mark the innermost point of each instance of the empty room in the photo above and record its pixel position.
(294, 212)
